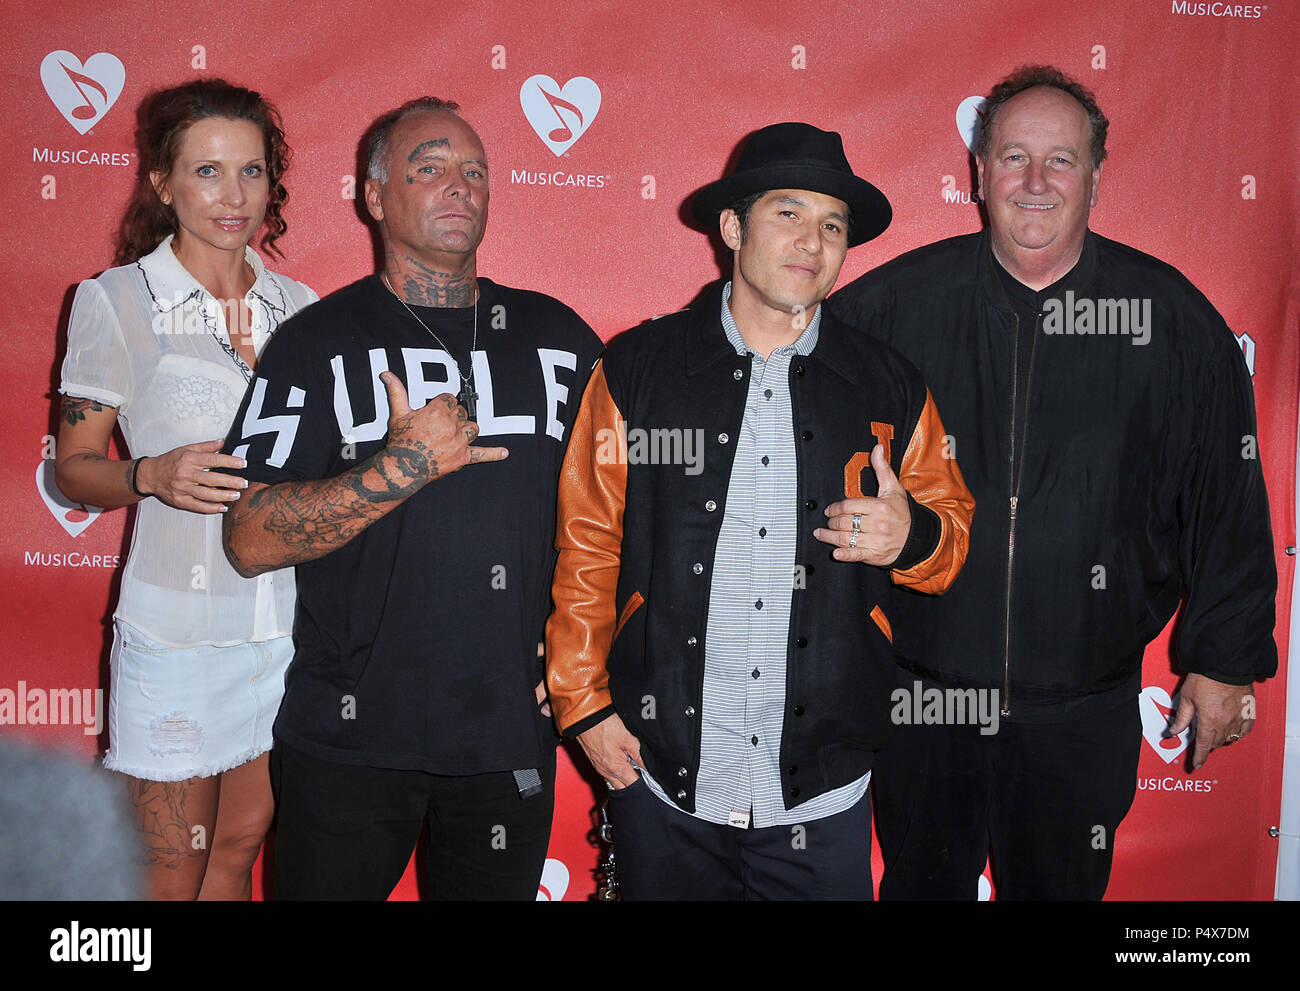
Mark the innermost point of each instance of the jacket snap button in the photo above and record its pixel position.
(691, 641)
(738, 374)
(810, 504)
(682, 772)
(794, 792)
(681, 794)
(798, 369)
(801, 642)
(710, 505)
(690, 710)
(723, 438)
(807, 435)
(794, 769)
(798, 710)
(697, 567)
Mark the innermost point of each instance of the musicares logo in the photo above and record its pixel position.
(559, 114)
(83, 93)
(554, 883)
(970, 115)
(72, 516)
(1157, 708)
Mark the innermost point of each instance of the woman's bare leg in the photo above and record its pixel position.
(175, 820)
(243, 817)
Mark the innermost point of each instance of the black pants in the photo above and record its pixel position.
(1047, 798)
(347, 832)
(663, 853)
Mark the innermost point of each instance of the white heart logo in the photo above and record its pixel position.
(1155, 705)
(555, 882)
(83, 93)
(559, 114)
(970, 115)
(72, 516)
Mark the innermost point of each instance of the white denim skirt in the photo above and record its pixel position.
(191, 712)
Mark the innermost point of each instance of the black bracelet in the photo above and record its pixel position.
(130, 478)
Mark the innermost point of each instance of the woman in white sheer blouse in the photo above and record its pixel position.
(163, 346)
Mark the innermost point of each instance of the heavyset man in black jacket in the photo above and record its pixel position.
(1104, 421)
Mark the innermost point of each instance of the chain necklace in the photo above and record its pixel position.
(468, 397)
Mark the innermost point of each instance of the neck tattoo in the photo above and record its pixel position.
(468, 397)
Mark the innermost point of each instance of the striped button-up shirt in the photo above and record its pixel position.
(752, 585)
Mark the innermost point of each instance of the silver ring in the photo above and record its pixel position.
(857, 522)
(853, 539)
(1234, 738)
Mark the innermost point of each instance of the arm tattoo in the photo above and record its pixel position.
(73, 409)
(309, 519)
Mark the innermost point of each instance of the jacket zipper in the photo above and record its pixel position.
(1014, 485)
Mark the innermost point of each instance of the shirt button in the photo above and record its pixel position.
(810, 504)
(691, 641)
(723, 438)
(710, 505)
(762, 531)
(682, 772)
(754, 673)
(767, 393)
(766, 459)
(758, 604)
(753, 741)
(697, 567)
(690, 710)
(738, 374)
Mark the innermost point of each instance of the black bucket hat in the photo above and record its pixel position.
(797, 156)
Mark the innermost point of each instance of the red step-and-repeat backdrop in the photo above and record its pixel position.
(1203, 151)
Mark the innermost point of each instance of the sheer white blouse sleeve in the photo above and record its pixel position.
(148, 339)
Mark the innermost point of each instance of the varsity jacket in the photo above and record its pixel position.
(1133, 481)
(636, 543)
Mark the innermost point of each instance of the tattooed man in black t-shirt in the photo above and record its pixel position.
(424, 559)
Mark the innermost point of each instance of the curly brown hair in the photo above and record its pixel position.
(161, 120)
(1029, 76)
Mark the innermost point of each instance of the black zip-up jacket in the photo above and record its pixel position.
(636, 545)
(1131, 477)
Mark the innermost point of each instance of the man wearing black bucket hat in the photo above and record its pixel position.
(744, 481)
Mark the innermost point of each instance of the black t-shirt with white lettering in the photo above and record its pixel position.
(417, 640)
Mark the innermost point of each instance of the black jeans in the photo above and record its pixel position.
(663, 853)
(347, 832)
(1047, 797)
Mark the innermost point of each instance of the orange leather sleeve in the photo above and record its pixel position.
(589, 538)
(934, 480)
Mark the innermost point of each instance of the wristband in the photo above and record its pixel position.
(130, 478)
